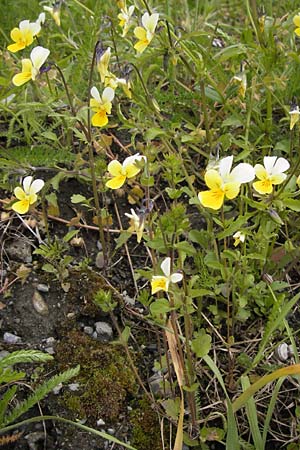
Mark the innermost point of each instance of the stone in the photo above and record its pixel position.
(19, 250)
(42, 287)
(88, 330)
(11, 338)
(104, 331)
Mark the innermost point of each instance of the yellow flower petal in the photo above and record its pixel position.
(14, 48)
(278, 178)
(159, 284)
(213, 179)
(32, 198)
(260, 172)
(297, 31)
(232, 190)
(140, 46)
(296, 20)
(132, 170)
(212, 199)
(100, 119)
(21, 78)
(19, 193)
(116, 182)
(115, 168)
(140, 33)
(263, 187)
(21, 206)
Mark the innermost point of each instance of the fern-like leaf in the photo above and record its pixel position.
(39, 393)
(8, 375)
(6, 398)
(24, 356)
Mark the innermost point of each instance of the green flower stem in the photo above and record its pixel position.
(205, 114)
(92, 161)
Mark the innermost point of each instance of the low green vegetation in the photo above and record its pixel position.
(180, 123)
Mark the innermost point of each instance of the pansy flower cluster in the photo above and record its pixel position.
(226, 183)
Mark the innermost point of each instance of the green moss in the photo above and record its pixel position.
(146, 428)
(105, 379)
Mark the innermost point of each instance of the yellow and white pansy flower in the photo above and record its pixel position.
(114, 82)
(23, 36)
(238, 238)
(31, 67)
(269, 174)
(137, 224)
(120, 172)
(161, 283)
(54, 12)
(224, 182)
(103, 63)
(296, 21)
(125, 18)
(101, 105)
(27, 195)
(145, 33)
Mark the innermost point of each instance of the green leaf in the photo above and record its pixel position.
(122, 239)
(212, 261)
(23, 356)
(70, 235)
(49, 268)
(201, 345)
(185, 247)
(160, 306)
(153, 133)
(292, 204)
(78, 198)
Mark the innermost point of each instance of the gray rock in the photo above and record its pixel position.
(3, 353)
(100, 422)
(50, 350)
(104, 331)
(10, 338)
(88, 330)
(19, 250)
(73, 387)
(42, 287)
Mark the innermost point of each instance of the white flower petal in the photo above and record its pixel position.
(242, 173)
(41, 18)
(38, 56)
(150, 22)
(24, 25)
(166, 266)
(176, 277)
(225, 166)
(130, 159)
(281, 165)
(108, 95)
(36, 186)
(95, 94)
(130, 10)
(26, 184)
(269, 162)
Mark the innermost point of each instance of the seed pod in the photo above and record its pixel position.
(39, 304)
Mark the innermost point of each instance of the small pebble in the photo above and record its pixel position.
(104, 331)
(43, 287)
(100, 422)
(100, 262)
(73, 387)
(39, 304)
(57, 389)
(50, 340)
(3, 353)
(50, 350)
(10, 338)
(111, 430)
(88, 330)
